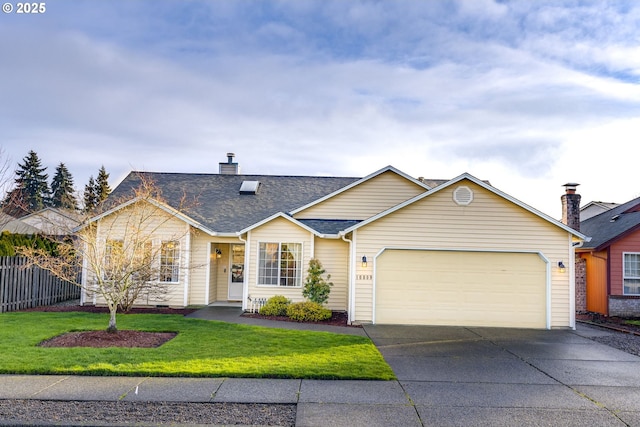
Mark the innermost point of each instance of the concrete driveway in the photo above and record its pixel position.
(458, 376)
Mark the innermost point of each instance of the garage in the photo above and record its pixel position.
(460, 288)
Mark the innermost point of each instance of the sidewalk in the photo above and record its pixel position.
(319, 402)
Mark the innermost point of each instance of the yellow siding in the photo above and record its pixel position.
(217, 268)
(334, 256)
(279, 230)
(489, 222)
(198, 270)
(159, 226)
(366, 199)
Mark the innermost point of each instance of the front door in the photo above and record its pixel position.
(236, 278)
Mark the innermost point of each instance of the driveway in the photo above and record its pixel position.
(458, 376)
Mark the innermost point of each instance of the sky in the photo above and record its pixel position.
(528, 95)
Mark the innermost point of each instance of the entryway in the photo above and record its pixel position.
(226, 272)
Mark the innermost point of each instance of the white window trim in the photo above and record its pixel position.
(624, 273)
(279, 243)
(178, 258)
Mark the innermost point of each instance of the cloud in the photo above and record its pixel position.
(318, 87)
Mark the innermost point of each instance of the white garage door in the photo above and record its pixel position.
(460, 288)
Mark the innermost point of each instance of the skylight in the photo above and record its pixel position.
(249, 187)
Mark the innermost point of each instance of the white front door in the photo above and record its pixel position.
(236, 267)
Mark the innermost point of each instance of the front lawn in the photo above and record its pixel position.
(201, 348)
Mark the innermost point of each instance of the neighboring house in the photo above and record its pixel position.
(15, 225)
(52, 221)
(399, 250)
(592, 209)
(612, 260)
(48, 221)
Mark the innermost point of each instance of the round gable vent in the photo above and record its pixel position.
(463, 195)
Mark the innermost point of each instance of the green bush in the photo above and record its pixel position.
(316, 288)
(308, 311)
(9, 242)
(275, 306)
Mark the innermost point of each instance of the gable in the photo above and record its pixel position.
(141, 219)
(487, 221)
(364, 200)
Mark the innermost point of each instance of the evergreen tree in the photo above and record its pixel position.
(31, 192)
(102, 185)
(90, 196)
(62, 189)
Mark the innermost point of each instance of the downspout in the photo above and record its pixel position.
(352, 270)
(572, 284)
(245, 284)
(207, 285)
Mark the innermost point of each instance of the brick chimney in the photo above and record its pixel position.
(571, 206)
(229, 168)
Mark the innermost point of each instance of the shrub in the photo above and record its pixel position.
(316, 288)
(308, 311)
(275, 306)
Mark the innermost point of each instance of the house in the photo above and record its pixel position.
(15, 225)
(47, 221)
(399, 250)
(52, 221)
(612, 260)
(595, 208)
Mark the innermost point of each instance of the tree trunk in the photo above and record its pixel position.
(112, 320)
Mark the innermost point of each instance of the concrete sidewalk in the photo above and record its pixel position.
(319, 402)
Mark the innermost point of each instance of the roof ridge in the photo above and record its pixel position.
(243, 174)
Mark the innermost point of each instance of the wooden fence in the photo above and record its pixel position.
(24, 287)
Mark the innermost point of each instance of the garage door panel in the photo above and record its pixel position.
(461, 288)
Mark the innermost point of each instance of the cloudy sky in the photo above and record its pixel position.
(526, 94)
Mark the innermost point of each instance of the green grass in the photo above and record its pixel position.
(201, 348)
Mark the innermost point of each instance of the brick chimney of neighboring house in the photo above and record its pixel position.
(229, 168)
(571, 206)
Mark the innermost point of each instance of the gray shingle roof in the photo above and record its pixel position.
(609, 225)
(329, 226)
(221, 208)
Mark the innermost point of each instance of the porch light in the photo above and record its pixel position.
(364, 260)
(561, 267)
(218, 253)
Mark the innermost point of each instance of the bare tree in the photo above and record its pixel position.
(129, 254)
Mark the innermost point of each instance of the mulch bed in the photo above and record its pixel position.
(338, 318)
(103, 339)
(616, 323)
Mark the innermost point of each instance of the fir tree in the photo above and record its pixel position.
(62, 189)
(90, 197)
(31, 192)
(102, 186)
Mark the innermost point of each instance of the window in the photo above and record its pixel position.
(170, 261)
(631, 277)
(237, 263)
(280, 264)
